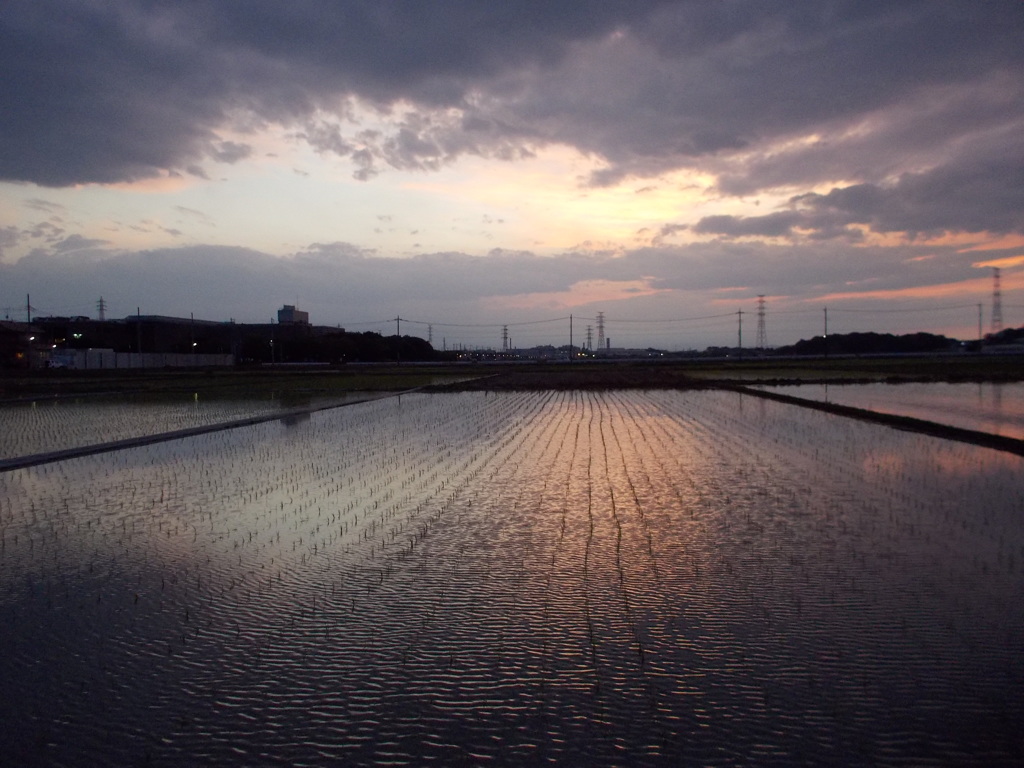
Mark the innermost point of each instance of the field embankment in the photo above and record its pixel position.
(284, 383)
(697, 374)
(584, 375)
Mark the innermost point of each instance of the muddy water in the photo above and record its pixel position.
(638, 578)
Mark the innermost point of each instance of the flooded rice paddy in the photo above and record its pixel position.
(42, 426)
(634, 578)
(994, 407)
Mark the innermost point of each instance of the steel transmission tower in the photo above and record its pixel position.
(762, 334)
(997, 302)
(590, 338)
(600, 330)
(504, 338)
(101, 309)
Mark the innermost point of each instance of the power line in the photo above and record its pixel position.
(906, 309)
(375, 322)
(483, 325)
(680, 319)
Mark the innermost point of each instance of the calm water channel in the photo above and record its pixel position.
(678, 578)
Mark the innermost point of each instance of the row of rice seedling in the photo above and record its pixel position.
(52, 425)
(996, 407)
(618, 576)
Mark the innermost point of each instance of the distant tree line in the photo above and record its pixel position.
(249, 343)
(870, 344)
(1006, 336)
(334, 347)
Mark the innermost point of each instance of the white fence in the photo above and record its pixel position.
(96, 359)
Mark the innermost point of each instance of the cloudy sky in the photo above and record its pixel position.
(473, 164)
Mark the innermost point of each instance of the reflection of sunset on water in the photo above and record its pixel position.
(951, 459)
(995, 407)
(614, 577)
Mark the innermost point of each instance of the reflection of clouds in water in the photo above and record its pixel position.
(995, 407)
(949, 458)
(628, 576)
(40, 427)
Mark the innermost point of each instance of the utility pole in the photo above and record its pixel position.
(398, 345)
(826, 332)
(997, 302)
(739, 331)
(28, 313)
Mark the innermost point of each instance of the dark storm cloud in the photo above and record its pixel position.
(981, 193)
(730, 80)
(120, 90)
(983, 196)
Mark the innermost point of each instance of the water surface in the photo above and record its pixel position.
(42, 426)
(994, 407)
(605, 578)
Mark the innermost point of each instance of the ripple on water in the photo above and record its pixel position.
(616, 577)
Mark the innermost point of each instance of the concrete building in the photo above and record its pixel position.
(289, 315)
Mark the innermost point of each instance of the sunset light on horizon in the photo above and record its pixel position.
(664, 163)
